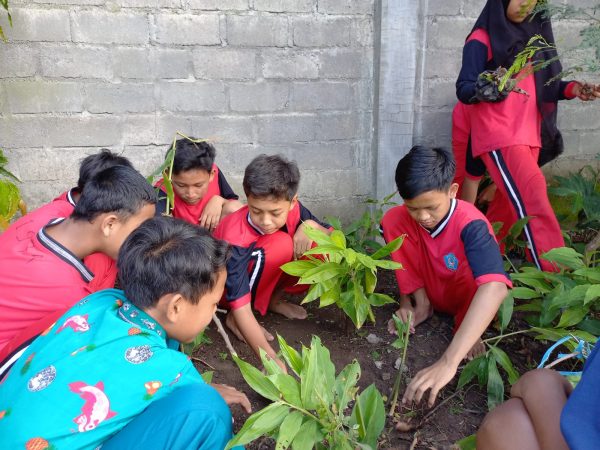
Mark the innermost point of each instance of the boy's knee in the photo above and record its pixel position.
(278, 247)
(537, 380)
(497, 421)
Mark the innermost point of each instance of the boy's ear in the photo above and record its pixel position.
(174, 307)
(453, 190)
(211, 175)
(293, 202)
(108, 223)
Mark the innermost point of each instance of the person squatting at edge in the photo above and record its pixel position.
(451, 262)
(109, 372)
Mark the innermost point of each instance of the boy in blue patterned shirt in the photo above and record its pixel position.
(108, 371)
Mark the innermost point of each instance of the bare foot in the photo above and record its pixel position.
(289, 310)
(477, 350)
(230, 323)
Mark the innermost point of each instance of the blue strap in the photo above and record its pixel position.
(582, 351)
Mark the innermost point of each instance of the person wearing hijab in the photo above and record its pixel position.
(513, 128)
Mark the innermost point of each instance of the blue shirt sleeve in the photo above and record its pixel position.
(482, 250)
(473, 63)
(305, 214)
(238, 281)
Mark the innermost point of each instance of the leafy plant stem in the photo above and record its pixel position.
(399, 376)
(497, 339)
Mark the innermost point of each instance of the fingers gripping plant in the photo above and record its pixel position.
(312, 412)
(343, 276)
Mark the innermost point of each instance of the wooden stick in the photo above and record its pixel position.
(224, 335)
(203, 362)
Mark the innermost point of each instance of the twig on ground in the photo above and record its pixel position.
(202, 362)
(430, 414)
(414, 442)
(224, 335)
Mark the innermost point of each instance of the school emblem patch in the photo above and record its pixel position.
(451, 261)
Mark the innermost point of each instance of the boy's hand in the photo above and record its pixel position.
(211, 214)
(233, 397)
(433, 378)
(302, 242)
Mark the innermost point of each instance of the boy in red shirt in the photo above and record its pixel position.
(202, 194)
(451, 261)
(102, 266)
(42, 275)
(265, 234)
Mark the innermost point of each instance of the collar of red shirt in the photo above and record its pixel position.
(62, 252)
(435, 231)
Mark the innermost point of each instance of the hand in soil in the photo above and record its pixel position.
(432, 378)
(233, 397)
(420, 313)
(586, 91)
(287, 309)
(230, 323)
(477, 350)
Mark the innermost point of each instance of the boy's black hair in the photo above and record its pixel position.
(167, 256)
(93, 164)
(424, 169)
(271, 176)
(193, 155)
(119, 189)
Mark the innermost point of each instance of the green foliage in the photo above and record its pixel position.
(4, 4)
(310, 406)
(467, 443)
(198, 342)
(586, 55)
(343, 276)
(362, 234)
(207, 376)
(536, 44)
(576, 198)
(10, 197)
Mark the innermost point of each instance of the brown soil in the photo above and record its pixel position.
(457, 418)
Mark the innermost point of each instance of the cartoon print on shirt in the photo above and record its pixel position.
(96, 408)
(77, 323)
(139, 354)
(151, 388)
(42, 379)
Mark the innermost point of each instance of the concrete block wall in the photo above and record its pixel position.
(255, 76)
(446, 24)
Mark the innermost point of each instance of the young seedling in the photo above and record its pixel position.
(403, 330)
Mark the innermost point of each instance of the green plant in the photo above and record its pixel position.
(198, 341)
(362, 235)
(10, 197)
(403, 330)
(309, 410)
(344, 277)
(4, 4)
(576, 198)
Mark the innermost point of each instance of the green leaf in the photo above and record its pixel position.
(495, 386)
(298, 268)
(318, 236)
(289, 429)
(377, 299)
(345, 386)
(308, 436)
(323, 272)
(389, 248)
(468, 443)
(565, 257)
(506, 364)
(9, 199)
(370, 281)
(291, 356)
(592, 294)
(257, 380)
(207, 376)
(592, 273)
(317, 376)
(590, 325)
(271, 367)
(571, 317)
(524, 293)
(369, 414)
(338, 239)
(469, 372)
(260, 423)
(506, 310)
(387, 264)
(288, 386)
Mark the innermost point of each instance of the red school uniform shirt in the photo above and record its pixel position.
(246, 262)
(513, 121)
(450, 261)
(102, 266)
(39, 278)
(192, 213)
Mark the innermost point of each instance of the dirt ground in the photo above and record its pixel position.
(458, 417)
